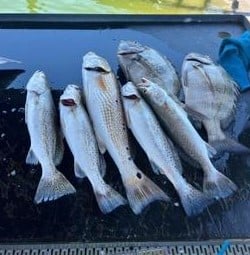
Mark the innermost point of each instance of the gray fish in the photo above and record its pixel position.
(210, 95)
(159, 149)
(139, 61)
(46, 139)
(103, 100)
(80, 137)
(186, 137)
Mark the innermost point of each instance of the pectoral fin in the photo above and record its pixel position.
(101, 145)
(127, 117)
(31, 158)
(211, 150)
(59, 150)
(155, 168)
(196, 115)
(103, 165)
(79, 173)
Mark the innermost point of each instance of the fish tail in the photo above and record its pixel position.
(52, 187)
(229, 145)
(109, 200)
(218, 185)
(141, 191)
(193, 200)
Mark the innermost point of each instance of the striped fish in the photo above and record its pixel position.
(138, 61)
(210, 96)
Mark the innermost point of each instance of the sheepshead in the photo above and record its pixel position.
(80, 137)
(46, 139)
(210, 96)
(182, 132)
(103, 100)
(139, 61)
(159, 149)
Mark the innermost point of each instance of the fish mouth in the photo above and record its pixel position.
(125, 52)
(68, 102)
(196, 60)
(144, 83)
(93, 62)
(36, 92)
(132, 97)
(97, 69)
(200, 59)
(129, 48)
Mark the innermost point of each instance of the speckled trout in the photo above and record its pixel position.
(46, 139)
(183, 133)
(79, 135)
(103, 100)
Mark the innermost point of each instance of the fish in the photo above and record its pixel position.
(80, 137)
(179, 128)
(46, 139)
(211, 96)
(159, 149)
(138, 61)
(4, 60)
(103, 100)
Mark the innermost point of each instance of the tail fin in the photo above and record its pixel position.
(218, 185)
(141, 191)
(109, 200)
(53, 187)
(193, 200)
(230, 145)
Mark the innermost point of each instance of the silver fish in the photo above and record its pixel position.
(182, 132)
(46, 139)
(103, 100)
(159, 149)
(210, 95)
(80, 137)
(139, 61)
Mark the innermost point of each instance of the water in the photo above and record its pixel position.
(114, 6)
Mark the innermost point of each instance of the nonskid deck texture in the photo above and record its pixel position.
(233, 247)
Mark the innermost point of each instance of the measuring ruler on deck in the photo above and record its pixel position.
(232, 247)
